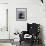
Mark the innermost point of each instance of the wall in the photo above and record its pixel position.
(3, 1)
(35, 13)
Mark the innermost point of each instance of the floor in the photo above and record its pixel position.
(5, 44)
(26, 44)
(23, 44)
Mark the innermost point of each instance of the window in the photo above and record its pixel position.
(3, 17)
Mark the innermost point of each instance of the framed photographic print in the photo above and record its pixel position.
(21, 14)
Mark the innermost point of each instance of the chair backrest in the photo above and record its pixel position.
(33, 28)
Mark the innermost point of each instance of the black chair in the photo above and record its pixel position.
(32, 29)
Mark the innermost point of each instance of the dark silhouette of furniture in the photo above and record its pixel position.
(33, 30)
(42, 1)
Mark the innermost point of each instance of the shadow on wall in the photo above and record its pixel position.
(41, 34)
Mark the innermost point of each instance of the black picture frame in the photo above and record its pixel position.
(21, 14)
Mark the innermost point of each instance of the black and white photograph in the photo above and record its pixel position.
(22, 22)
(21, 14)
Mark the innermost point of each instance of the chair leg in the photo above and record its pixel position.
(32, 42)
(20, 42)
